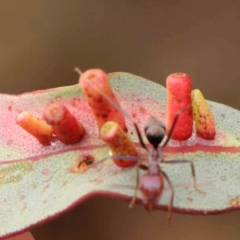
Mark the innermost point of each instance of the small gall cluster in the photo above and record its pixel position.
(58, 122)
(110, 121)
(180, 96)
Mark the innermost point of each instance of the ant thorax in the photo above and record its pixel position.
(154, 158)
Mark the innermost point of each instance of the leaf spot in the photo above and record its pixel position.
(83, 163)
(45, 188)
(234, 202)
(22, 196)
(24, 208)
(45, 171)
(142, 110)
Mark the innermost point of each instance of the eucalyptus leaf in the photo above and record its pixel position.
(39, 182)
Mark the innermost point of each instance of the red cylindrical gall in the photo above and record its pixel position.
(119, 143)
(66, 127)
(36, 127)
(179, 88)
(94, 82)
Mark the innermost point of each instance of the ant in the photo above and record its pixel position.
(151, 184)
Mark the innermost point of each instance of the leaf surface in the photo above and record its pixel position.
(39, 182)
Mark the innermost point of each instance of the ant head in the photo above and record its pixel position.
(155, 131)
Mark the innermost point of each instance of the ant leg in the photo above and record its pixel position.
(125, 158)
(138, 165)
(136, 187)
(143, 167)
(174, 124)
(172, 197)
(192, 170)
(139, 136)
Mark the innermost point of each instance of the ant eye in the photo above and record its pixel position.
(155, 135)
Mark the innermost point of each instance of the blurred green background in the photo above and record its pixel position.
(42, 41)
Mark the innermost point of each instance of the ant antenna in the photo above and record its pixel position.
(76, 69)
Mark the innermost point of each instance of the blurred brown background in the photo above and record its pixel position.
(42, 41)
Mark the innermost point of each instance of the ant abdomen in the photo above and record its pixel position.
(155, 131)
(151, 187)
